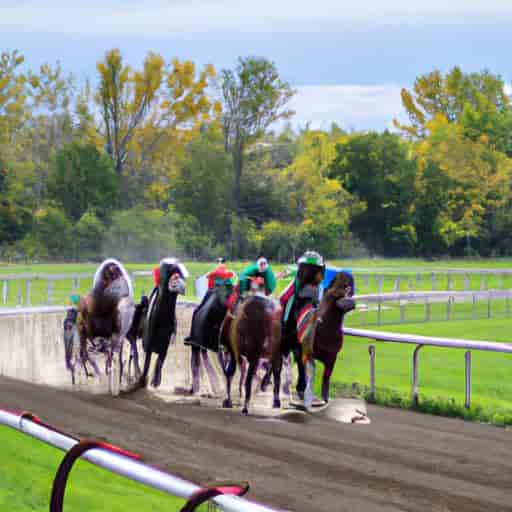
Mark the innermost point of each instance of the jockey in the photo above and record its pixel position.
(259, 269)
(303, 290)
(220, 282)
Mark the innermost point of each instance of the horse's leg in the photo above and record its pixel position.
(210, 372)
(134, 356)
(229, 371)
(268, 375)
(143, 381)
(243, 375)
(195, 366)
(157, 376)
(326, 381)
(276, 367)
(248, 385)
(301, 383)
(287, 385)
(309, 394)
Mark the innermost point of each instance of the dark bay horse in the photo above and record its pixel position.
(320, 336)
(104, 317)
(254, 334)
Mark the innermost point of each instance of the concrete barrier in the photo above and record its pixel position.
(32, 349)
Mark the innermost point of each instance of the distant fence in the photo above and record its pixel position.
(54, 289)
(420, 342)
(416, 307)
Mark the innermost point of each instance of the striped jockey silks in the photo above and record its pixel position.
(305, 322)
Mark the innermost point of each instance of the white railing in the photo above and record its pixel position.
(420, 342)
(127, 466)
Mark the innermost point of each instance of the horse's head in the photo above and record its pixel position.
(339, 294)
(173, 275)
(109, 274)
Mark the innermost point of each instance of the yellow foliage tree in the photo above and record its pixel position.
(158, 99)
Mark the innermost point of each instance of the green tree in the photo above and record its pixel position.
(140, 234)
(83, 178)
(254, 97)
(378, 170)
(88, 234)
(51, 236)
(202, 187)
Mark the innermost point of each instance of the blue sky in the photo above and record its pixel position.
(348, 60)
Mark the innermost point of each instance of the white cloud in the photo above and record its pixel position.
(357, 107)
(159, 16)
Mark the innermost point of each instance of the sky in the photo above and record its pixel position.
(347, 60)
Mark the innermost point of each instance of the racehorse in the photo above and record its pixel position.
(254, 334)
(135, 333)
(105, 315)
(160, 322)
(320, 335)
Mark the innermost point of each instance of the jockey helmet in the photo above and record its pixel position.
(311, 258)
(262, 264)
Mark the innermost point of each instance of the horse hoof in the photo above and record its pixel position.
(245, 411)
(227, 404)
(300, 394)
(276, 404)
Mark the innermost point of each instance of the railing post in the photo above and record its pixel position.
(474, 306)
(402, 312)
(415, 359)
(379, 311)
(380, 280)
(427, 309)
(19, 294)
(449, 308)
(371, 351)
(467, 357)
(433, 278)
(507, 303)
(28, 286)
(50, 291)
(488, 304)
(449, 282)
(466, 282)
(5, 290)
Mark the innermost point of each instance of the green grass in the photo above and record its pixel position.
(441, 371)
(28, 467)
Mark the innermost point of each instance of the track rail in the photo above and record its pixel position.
(124, 463)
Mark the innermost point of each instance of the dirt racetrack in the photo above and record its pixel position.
(402, 461)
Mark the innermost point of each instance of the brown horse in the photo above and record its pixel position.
(106, 314)
(254, 334)
(320, 335)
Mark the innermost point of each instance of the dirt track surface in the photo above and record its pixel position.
(401, 461)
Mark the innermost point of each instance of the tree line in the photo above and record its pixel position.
(169, 158)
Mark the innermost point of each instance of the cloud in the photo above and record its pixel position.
(200, 16)
(358, 107)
